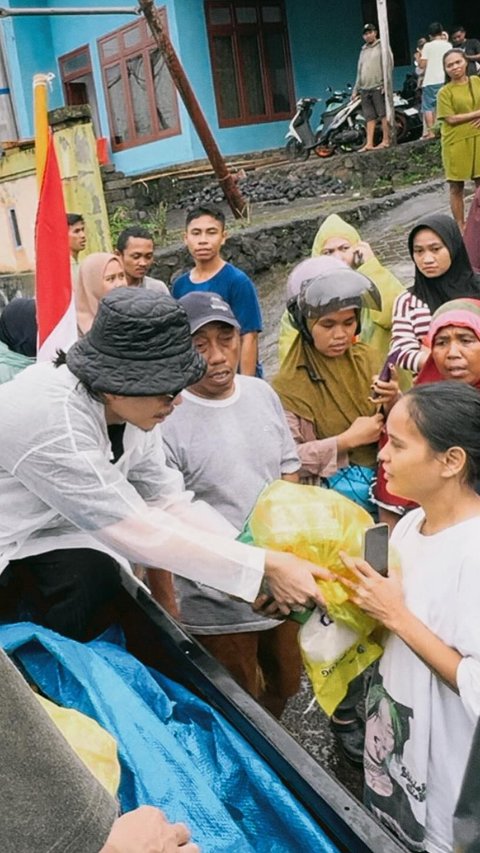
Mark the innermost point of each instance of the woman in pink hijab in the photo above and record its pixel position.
(99, 273)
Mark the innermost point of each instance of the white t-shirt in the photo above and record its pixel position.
(434, 52)
(419, 730)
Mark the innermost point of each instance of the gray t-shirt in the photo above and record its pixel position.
(49, 800)
(370, 67)
(227, 451)
(155, 284)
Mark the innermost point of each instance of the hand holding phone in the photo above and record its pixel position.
(376, 548)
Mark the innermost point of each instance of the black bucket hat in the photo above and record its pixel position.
(139, 346)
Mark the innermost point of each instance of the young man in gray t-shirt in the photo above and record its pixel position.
(229, 439)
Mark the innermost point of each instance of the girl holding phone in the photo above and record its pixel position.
(424, 697)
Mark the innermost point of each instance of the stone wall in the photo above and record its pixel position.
(118, 190)
(257, 248)
(407, 162)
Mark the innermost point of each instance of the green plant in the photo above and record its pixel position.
(156, 223)
(120, 218)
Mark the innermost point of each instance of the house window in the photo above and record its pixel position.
(141, 98)
(397, 26)
(78, 84)
(250, 60)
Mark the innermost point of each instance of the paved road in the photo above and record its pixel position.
(388, 237)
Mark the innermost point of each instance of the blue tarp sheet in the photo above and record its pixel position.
(176, 751)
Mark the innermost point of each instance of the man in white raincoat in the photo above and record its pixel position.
(83, 480)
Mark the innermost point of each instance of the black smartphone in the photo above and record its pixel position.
(375, 549)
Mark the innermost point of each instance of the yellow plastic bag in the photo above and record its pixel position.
(317, 524)
(96, 747)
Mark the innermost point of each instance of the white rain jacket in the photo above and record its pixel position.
(59, 489)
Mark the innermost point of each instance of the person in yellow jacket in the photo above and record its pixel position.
(337, 238)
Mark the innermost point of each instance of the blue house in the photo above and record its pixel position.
(248, 61)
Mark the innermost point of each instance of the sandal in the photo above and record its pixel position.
(350, 737)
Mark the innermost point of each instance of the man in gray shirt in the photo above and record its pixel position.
(369, 84)
(135, 249)
(229, 439)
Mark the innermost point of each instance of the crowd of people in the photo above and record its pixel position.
(101, 466)
(447, 69)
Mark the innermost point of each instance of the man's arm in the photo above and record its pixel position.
(291, 478)
(249, 353)
(475, 46)
(161, 586)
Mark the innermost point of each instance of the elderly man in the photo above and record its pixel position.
(75, 501)
(229, 438)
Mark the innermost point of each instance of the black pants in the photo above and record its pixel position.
(65, 589)
(347, 709)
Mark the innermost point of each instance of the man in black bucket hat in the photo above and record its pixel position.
(83, 480)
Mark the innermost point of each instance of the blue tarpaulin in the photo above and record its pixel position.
(176, 752)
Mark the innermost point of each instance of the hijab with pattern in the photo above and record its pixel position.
(459, 280)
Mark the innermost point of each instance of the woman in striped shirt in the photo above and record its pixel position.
(442, 272)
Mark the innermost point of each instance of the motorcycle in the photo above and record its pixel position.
(408, 119)
(342, 125)
(300, 136)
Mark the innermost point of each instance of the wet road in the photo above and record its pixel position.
(388, 238)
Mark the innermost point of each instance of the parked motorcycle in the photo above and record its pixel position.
(408, 118)
(300, 136)
(342, 125)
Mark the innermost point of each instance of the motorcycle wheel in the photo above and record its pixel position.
(401, 126)
(296, 151)
(324, 151)
(355, 146)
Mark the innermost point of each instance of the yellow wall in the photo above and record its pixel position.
(83, 193)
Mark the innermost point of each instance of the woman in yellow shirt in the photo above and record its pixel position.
(458, 109)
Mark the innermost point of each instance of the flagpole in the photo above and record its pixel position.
(40, 109)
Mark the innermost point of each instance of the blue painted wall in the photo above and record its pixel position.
(325, 40)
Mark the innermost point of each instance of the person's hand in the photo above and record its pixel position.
(146, 830)
(380, 597)
(385, 393)
(475, 122)
(291, 581)
(424, 353)
(364, 430)
(365, 250)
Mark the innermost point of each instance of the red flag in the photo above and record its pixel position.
(57, 327)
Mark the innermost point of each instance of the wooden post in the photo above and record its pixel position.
(226, 180)
(383, 32)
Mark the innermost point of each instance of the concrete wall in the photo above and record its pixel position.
(82, 189)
